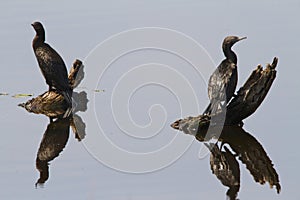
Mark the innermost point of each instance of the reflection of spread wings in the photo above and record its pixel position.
(226, 168)
(253, 155)
(53, 142)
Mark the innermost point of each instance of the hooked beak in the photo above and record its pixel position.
(242, 38)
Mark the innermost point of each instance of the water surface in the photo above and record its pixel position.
(74, 29)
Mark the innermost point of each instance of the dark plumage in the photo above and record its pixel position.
(51, 64)
(224, 165)
(53, 142)
(223, 81)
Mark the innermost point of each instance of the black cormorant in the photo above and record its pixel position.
(223, 81)
(51, 64)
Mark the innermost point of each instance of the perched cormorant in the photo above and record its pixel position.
(223, 81)
(51, 64)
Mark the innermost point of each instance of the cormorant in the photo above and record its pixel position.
(223, 81)
(51, 64)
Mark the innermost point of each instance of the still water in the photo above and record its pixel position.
(75, 29)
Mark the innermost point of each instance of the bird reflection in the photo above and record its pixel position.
(249, 151)
(226, 168)
(56, 135)
(54, 141)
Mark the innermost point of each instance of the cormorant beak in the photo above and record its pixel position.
(242, 38)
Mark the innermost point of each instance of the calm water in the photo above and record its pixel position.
(272, 29)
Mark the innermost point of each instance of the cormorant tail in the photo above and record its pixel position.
(212, 108)
(207, 110)
(68, 98)
(68, 112)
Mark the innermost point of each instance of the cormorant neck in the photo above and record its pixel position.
(229, 54)
(39, 38)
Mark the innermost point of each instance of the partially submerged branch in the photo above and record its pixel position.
(76, 74)
(252, 94)
(229, 131)
(244, 104)
(52, 103)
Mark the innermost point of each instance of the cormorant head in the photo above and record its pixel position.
(231, 40)
(38, 27)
